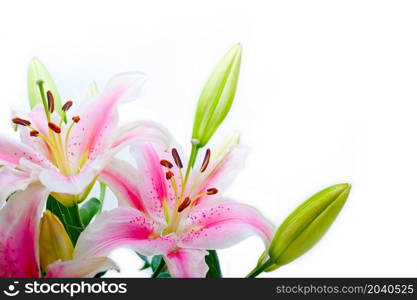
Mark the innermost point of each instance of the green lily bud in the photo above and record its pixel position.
(217, 97)
(37, 72)
(305, 226)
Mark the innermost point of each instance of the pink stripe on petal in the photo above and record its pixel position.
(187, 263)
(19, 232)
(122, 227)
(123, 180)
(80, 268)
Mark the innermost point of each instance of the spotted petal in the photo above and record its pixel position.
(223, 224)
(122, 227)
(19, 231)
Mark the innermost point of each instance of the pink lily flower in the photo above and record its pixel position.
(160, 213)
(19, 241)
(67, 158)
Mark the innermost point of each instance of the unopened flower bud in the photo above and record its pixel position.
(54, 242)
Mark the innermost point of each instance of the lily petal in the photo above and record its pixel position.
(187, 263)
(122, 179)
(94, 133)
(80, 268)
(122, 227)
(223, 224)
(144, 131)
(12, 180)
(152, 182)
(222, 172)
(19, 232)
(11, 152)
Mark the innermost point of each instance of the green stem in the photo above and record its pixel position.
(44, 102)
(259, 269)
(158, 269)
(102, 194)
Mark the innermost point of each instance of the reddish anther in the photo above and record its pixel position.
(166, 164)
(205, 161)
(51, 101)
(184, 204)
(34, 133)
(55, 128)
(212, 191)
(177, 158)
(67, 106)
(76, 119)
(20, 121)
(169, 175)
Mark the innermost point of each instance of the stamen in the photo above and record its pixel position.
(76, 119)
(212, 191)
(177, 158)
(51, 101)
(19, 121)
(184, 204)
(67, 106)
(34, 133)
(205, 161)
(54, 127)
(169, 175)
(166, 164)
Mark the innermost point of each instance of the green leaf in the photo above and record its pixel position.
(163, 275)
(156, 260)
(89, 209)
(306, 225)
(37, 71)
(212, 261)
(68, 216)
(217, 96)
(145, 259)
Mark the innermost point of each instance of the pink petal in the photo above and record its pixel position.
(12, 180)
(56, 182)
(122, 227)
(222, 171)
(152, 183)
(19, 232)
(145, 131)
(80, 268)
(187, 263)
(123, 180)
(95, 132)
(222, 225)
(11, 152)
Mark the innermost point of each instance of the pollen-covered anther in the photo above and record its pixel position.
(212, 191)
(166, 163)
(177, 158)
(55, 128)
(20, 121)
(34, 133)
(205, 161)
(67, 106)
(51, 101)
(169, 175)
(76, 119)
(184, 204)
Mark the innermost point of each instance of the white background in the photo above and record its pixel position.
(327, 95)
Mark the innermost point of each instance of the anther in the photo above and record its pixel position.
(51, 101)
(76, 119)
(67, 106)
(205, 161)
(19, 121)
(34, 133)
(166, 164)
(184, 204)
(177, 158)
(169, 175)
(212, 191)
(54, 127)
